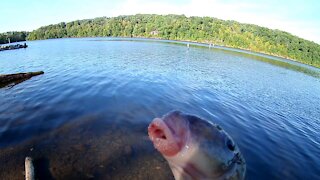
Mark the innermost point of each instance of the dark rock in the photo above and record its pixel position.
(7, 79)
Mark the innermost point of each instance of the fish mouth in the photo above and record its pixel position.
(164, 140)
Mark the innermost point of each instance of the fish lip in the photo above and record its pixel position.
(161, 124)
(170, 117)
(168, 146)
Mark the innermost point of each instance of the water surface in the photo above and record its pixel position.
(87, 115)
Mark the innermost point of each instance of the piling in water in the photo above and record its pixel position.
(29, 169)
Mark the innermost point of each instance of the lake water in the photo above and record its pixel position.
(87, 115)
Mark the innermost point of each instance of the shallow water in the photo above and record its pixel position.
(270, 108)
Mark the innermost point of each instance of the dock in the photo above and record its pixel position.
(13, 46)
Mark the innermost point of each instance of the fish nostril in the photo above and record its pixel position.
(219, 127)
(230, 145)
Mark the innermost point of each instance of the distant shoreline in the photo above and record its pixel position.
(226, 33)
(202, 44)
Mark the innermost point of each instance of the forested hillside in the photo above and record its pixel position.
(199, 29)
(13, 36)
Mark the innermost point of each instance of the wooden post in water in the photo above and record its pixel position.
(29, 169)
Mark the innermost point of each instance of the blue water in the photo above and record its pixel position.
(272, 111)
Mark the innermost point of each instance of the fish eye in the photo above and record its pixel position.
(230, 145)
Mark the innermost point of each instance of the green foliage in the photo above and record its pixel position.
(13, 36)
(198, 29)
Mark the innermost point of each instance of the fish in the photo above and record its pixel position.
(196, 148)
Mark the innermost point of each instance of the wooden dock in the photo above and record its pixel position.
(13, 46)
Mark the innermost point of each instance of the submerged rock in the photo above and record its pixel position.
(88, 148)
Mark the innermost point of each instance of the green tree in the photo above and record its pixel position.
(180, 27)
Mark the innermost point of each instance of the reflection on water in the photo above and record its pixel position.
(86, 117)
(312, 71)
(295, 66)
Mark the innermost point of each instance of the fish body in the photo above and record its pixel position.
(196, 148)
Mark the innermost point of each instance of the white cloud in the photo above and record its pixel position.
(266, 15)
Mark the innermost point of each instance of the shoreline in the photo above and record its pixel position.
(203, 44)
(230, 48)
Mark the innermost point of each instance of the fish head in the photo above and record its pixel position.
(196, 148)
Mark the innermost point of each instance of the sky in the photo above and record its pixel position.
(298, 17)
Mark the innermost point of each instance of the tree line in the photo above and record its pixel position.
(198, 29)
(13, 37)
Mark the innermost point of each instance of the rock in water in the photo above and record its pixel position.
(196, 148)
(7, 79)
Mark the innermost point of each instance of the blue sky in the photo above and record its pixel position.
(301, 18)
